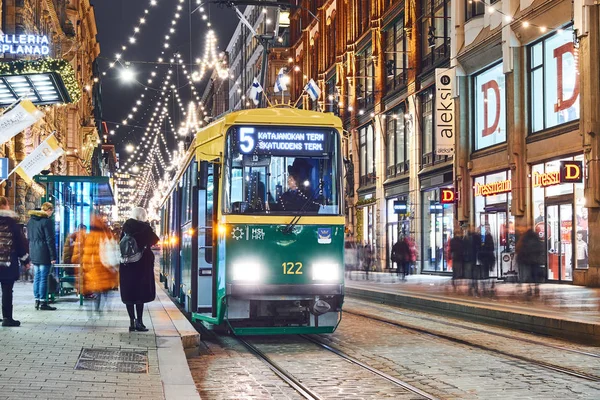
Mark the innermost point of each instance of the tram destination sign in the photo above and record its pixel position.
(283, 141)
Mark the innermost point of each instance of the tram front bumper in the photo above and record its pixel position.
(315, 289)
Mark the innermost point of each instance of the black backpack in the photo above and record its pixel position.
(130, 252)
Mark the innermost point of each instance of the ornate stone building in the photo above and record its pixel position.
(71, 29)
(525, 116)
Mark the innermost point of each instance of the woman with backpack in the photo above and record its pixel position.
(137, 267)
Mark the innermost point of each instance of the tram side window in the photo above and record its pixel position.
(208, 237)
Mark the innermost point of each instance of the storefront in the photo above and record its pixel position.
(398, 217)
(366, 220)
(438, 223)
(492, 198)
(559, 215)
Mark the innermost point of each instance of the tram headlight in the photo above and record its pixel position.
(246, 271)
(325, 271)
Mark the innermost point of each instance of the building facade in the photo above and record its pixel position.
(525, 108)
(70, 27)
(245, 54)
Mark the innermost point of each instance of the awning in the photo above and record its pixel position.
(98, 190)
(44, 81)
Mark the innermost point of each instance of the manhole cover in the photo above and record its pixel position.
(104, 360)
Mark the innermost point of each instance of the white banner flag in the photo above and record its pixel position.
(16, 120)
(46, 153)
(444, 111)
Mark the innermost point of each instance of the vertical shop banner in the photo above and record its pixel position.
(22, 116)
(46, 153)
(444, 111)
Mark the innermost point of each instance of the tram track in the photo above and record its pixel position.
(309, 393)
(425, 331)
(375, 371)
(489, 332)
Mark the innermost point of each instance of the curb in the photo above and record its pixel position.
(175, 339)
(489, 314)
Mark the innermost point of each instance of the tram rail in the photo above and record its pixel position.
(489, 332)
(542, 364)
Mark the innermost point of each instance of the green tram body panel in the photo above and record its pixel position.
(285, 271)
(271, 248)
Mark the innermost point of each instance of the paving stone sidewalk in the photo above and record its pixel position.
(38, 359)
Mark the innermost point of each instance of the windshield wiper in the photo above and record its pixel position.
(289, 227)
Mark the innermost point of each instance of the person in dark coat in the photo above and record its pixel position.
(531, 257)
(401, 256)
(487, 258)
(457, 255)
(13, 249)
(40, 232)
(137, 279)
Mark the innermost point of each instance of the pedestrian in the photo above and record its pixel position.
(73, 248)
(401, 256)
(531, 258)
(97, 278)
(487, 257)
(13, 249)
(367, 259)
(350, 256)
(472, 242)
(137, 278)
(40, 232)
(457, 255)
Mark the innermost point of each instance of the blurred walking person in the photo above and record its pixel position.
(40, 232)
(97, 275)
(137, 277)
(350, 256)
(487, 257)
(472, 246)
(530, 252)
(13, 249)
(367, 259)
(457, 255)
(401, 256)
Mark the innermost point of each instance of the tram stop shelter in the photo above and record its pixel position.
(75, 198)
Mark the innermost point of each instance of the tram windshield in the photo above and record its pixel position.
(282, 170)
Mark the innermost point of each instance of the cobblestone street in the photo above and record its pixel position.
(466, 361)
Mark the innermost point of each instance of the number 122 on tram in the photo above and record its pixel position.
(253, 228)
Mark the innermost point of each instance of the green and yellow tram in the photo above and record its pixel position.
(253, 226)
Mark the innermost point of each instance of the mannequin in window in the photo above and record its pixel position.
(298, 193)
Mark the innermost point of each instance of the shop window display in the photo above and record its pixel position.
(560, 219)
(438, 226)
(492, 217)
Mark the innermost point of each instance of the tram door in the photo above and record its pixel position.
(206, 208)
(559, 239)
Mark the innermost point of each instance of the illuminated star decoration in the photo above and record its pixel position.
(211, 59)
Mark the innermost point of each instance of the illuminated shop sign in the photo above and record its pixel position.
(493, 188)
(400, 207)
(25, 45)
(444, 115)
(282, 141)
(569, 172)
(447, 196)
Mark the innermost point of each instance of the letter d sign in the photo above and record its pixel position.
(447, 196)
(571, 172)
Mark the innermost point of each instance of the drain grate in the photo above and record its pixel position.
(106, 360)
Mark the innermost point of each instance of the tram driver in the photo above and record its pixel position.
(298, 196)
